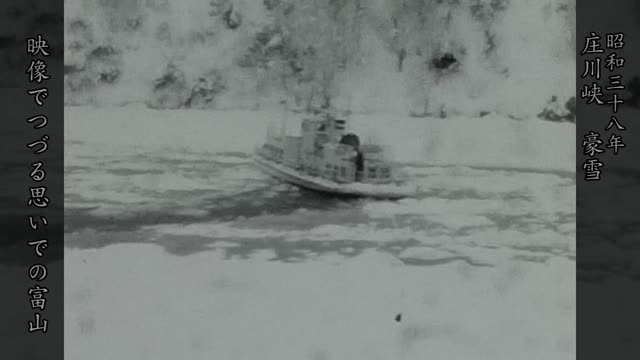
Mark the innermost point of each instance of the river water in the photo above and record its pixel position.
(178, 246)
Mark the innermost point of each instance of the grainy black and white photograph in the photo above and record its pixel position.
(320, 179)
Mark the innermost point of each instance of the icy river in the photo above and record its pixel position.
(178, 247)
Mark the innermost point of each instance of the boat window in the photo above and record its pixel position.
(343, 171)
(384, 172)
(372, 173)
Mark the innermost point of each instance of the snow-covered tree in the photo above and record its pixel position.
(324, 36)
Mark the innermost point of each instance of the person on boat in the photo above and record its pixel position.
(354, 141)
(359, 160)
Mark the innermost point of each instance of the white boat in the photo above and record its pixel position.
(326, 159)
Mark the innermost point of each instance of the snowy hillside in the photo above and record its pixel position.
(420, 57)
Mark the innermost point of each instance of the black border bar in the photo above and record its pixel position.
(608, 179)
(32, 173)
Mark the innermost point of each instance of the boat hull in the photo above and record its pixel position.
(294, 177)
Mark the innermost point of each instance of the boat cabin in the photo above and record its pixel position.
(324, 149)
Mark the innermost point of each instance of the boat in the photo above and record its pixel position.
(325, 158)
